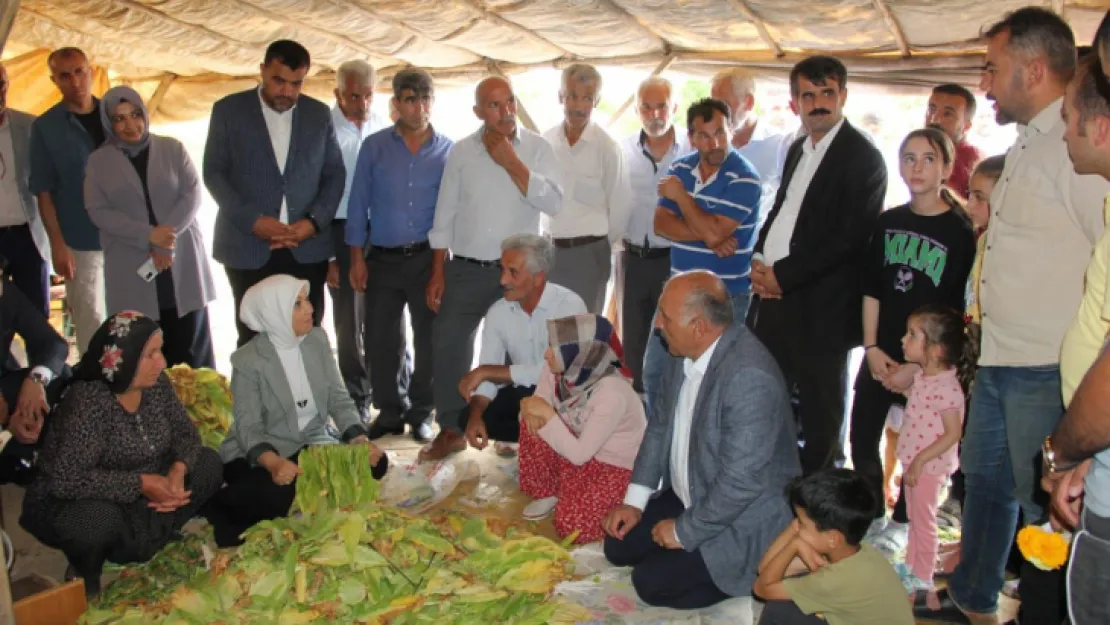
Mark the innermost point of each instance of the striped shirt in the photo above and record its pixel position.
(733, 191)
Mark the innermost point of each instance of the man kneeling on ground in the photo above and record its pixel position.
(721, 441)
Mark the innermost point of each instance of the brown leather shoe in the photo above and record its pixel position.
(447, 442)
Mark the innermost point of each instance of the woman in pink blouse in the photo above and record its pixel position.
(581, 429)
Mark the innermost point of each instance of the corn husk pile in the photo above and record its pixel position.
(335, 477)
(372, 565)
(207, 398)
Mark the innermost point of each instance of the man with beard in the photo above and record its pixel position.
(1047, 220)
(646, 259)
(596, 190)
(396, 182)
(496, 183)
(354, 122)
(952, 109)
(807, 266)
(708, 208)
(764, 148)
(276, 204)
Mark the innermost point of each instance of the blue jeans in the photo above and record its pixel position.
(1012, 410)
(656, 356)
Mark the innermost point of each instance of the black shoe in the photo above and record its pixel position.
(949, 612)
(422, 432)
(378, 429)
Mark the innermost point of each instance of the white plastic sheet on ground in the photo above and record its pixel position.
(608, 592)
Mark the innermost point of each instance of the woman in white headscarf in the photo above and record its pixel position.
(286, 385)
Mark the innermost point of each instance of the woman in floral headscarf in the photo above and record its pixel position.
(581, 429)
(122, 467)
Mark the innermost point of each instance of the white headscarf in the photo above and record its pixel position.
(267, 308)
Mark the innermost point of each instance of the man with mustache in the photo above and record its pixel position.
(515, 331)
(396, 182)
(1047, 220)
(276, 204)
(951, 109)
(496, 183)
(806, 268)
(764, 148)
(708, 208)
(646, 259)
(596, 190)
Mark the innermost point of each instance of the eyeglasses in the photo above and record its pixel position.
(136, 114)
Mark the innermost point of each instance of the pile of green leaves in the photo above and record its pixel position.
(371, 565)
(151, 582)
(207, 399)
(334, 477)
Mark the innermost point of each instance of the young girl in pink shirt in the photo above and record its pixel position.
(936, 339)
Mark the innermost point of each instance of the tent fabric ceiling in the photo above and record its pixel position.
(201, 49)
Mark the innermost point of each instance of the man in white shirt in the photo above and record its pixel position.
(706, 496)
(515, 331)
(1046, 222)
(806, 265)
(496, 183)
(595, 187)
(353, 121)
(764, 148)
(646, 258)
(23, 238)
(276, 202)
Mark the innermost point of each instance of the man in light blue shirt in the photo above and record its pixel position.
(497, 183)
(392, 205)
(353, 121)
(646, 260)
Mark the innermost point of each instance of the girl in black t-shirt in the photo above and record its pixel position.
(920, 253)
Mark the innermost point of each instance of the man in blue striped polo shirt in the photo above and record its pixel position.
(708, 208)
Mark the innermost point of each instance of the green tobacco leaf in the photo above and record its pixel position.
(351, 591)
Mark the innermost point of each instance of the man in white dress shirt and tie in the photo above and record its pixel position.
(497, 183)
(706, 497)
(596, 190)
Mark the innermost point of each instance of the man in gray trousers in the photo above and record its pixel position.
(496, 183)
(706, 496)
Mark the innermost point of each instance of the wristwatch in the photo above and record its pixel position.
(39, 378)
(1050, 463)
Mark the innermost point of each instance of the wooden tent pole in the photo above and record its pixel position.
(659, 69)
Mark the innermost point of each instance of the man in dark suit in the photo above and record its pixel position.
(273, 165)
(26, 395)
(806, 266)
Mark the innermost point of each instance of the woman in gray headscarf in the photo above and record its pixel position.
(143, 192)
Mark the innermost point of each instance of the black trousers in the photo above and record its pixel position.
(787, 613)
(348, 312)
(643, 284)
(668, 578)
(502, 416)
(281, 261)
(17, 459)
(26, 267)
(869, 413)
(402, 393)
(817, 372)
(187, 340)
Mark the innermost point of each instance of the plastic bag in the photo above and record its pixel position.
(416, 486)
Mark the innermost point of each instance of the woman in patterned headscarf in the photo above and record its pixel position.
(581, 429)
(122, 467)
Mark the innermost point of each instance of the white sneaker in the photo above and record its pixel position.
(540, 508)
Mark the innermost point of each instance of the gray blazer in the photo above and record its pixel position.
(21, 147)
(743, 451)
(116, 204)
(242, 174)
(265, 414)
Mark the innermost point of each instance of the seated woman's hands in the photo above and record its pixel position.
(375, 451)
(162, 493)
(535, 413)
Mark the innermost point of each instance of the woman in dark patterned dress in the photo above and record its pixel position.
(122, 468)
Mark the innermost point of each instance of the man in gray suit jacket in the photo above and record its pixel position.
(273, 165)
(706, 496)
(23, 239)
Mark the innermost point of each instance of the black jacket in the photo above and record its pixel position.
(19, 316)
(821, 276)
